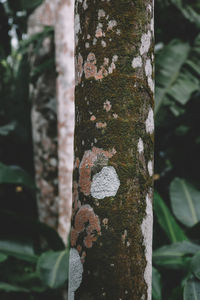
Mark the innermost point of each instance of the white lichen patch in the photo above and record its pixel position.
(105, 183)
(75, 272)
(145, 42)
(148, 72)
(150, 167)
(118, 31)
(151, 83)
(103, 43)
(115, 58)
(148, 68)
(149, 7)
(137, 62)
(87, 45)
(115, 116)
(85, 6)
(77, 27)
(140, 146)
(152, 25)
(112, 24)
(101, 14)
(150, 122)
(111, 68)
(147, 227)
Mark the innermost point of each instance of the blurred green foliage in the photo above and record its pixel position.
(33, 258)
(177, 189)
(28, 269)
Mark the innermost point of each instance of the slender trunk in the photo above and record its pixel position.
(111, 235)
(44, 119)
(64, 41)
(55, 206)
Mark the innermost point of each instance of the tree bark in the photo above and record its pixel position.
(44, 119)
(55, 206)
(111, 236)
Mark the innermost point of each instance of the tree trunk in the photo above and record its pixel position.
(44, 118)
(64, 42)
(55, 206)
(111, 236)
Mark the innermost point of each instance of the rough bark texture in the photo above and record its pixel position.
(54, 210)
(111, 235)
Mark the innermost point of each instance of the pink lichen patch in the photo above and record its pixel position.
(101, 73)
(107, 106)
(99, 33)
(86, 221)
(101, 125)
(92, 118)
(90, 68)
(88, 161)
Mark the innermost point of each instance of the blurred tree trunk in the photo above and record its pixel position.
(53, 115)
(44, 119)
(111, 237)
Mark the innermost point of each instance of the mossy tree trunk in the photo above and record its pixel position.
(111, 236)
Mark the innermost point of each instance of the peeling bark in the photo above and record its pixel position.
(59, 14)
(113, 170)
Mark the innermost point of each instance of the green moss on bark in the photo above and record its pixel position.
(115, 265)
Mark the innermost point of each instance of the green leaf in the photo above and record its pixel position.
(192, 290)
(3, 257)
(167, 221)
(177, 75)
(20, 5)
(30, 228)
(195, 265)
(6, 129)
(175, 256)
(19, 249)
(12, 288)
(185, 201)
(15, 175)
(188, 12)
(156, 285)
(169, 62)
(31, 281)
(53, 268)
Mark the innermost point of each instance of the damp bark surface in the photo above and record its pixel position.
(111, 234)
